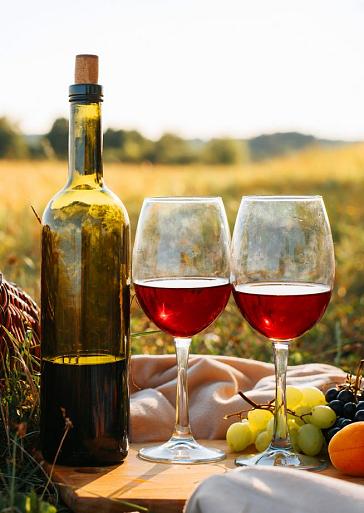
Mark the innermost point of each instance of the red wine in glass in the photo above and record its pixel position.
(282, 311)
(283, 267)
(181, 274)
(183, 307)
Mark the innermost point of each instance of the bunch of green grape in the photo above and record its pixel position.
(308, 414)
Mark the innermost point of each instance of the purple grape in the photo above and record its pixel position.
(359, 416)
(337, 406)
(346, 396)
(349, 410)
(360, 406)
(344, 422)
(331, 394)
(331, 432)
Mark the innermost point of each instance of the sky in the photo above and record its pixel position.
(200, 68)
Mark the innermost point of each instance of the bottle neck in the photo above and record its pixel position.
(85, 145)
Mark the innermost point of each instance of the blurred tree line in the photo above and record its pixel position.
(123, 146)
(132, 147)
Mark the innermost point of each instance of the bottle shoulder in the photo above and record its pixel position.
(79, 204)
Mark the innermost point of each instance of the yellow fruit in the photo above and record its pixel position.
(239, 436)
(312, 396)
(293, 397)
(346, 449)
(262, 441)
(259, 418)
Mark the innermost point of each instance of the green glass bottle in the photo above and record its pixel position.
(85, 298)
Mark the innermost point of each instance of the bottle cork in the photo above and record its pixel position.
(86, 69)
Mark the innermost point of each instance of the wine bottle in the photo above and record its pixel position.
(85, 298)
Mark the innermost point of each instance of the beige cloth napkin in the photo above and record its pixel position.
(213, 383)
(275, 490)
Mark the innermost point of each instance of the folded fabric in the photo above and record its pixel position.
(275, 490)
(213, 384)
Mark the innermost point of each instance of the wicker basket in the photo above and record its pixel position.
(19, 315)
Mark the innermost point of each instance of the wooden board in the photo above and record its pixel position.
(160, 487)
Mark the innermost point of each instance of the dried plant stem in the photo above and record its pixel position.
(5, 419)
(268, 406)
(67, 428)
(235, 414)
(36, 214)
(358, 376)
(38, 466)
(13, 472)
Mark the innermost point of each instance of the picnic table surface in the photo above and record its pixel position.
(138, 484)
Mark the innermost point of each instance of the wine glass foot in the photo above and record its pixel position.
(181, 451)
(282, 458)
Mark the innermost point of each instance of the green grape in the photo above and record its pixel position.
(290, 416)
(322, 416)
(262, 441)
(310, 439)
(294, 441)
(303, 410)
(239, 436)
(312, 396)
(258, 418)
(281, 431)
(292, 426)
(254, 431)
(293, 396)
(270, 427)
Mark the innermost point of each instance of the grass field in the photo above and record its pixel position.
(337, 174)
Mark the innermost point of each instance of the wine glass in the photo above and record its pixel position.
(282, 275)
(181, 271)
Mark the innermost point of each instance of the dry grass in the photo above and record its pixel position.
(337, 174)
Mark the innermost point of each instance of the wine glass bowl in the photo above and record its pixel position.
(282, 275)
(171, 301)
(271, 308)
(181, 275)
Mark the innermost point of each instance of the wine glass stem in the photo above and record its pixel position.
(281, 439)
(182, 428)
